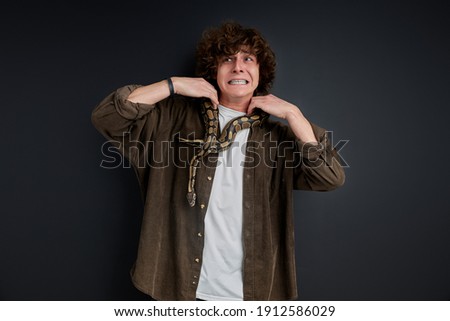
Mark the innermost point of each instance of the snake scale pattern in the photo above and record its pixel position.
(216, 141)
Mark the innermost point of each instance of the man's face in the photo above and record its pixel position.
(238, 76)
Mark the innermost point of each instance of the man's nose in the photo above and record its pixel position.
(237, 66)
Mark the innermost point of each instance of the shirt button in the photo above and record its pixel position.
(194, 283)
(199, 234)
(197, 260)
(209, 178)
(195, 277)
(202, 206)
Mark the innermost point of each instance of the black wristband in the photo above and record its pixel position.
(172, 90)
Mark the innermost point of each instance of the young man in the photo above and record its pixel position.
(217, 174)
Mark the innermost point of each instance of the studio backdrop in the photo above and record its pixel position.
(373, 73)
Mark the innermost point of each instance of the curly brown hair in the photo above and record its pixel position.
(228, 39)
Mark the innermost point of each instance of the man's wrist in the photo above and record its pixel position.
(171, 87)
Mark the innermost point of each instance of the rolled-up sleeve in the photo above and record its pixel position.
(123, 122)
(114, 115)
(320, 166)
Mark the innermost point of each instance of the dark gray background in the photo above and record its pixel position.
(376, 73)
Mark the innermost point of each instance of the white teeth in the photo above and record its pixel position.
(238, 82)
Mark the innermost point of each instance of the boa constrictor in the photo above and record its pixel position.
(216, 141)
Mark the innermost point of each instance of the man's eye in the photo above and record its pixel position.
(226, 59)
(249, 59)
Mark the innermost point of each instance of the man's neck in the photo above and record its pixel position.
(235, 104)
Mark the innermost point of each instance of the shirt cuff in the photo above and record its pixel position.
(312, 151)
(128, 109)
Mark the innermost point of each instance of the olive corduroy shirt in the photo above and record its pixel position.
(169, 256)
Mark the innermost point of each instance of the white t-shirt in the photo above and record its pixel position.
(221, 273)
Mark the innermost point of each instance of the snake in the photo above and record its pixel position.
(215, 140)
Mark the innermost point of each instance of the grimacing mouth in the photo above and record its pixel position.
(238, 82)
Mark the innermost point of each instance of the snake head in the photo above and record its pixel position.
(191, 197)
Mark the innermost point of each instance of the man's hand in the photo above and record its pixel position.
(282, 109)
(272, 105)
(195, 87)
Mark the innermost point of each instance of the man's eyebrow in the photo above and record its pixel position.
(245, 51)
